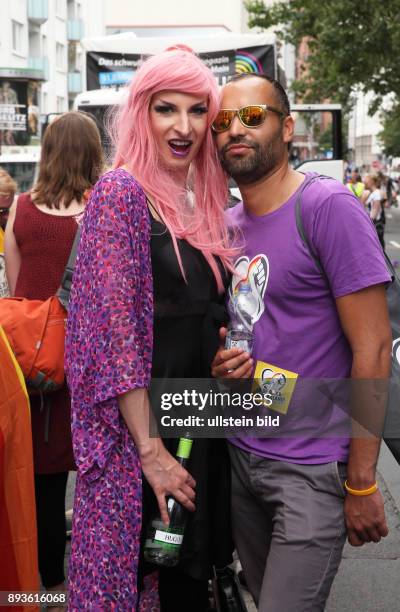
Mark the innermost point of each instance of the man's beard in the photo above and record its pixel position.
(258, 163)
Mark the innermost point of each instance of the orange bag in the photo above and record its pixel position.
(18, 540)
(35, 330)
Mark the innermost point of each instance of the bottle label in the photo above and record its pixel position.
(184, 448)
(169, 538)
(244, 344)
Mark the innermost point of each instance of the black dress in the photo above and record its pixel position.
(187, 317)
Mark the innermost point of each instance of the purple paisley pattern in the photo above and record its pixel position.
(148, 598)
(108, 352)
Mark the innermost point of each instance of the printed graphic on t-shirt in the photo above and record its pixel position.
(278, 383)
(254, 274)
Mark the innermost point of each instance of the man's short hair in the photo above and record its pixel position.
(279, 89)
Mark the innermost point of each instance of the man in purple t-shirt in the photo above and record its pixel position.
(290, 508)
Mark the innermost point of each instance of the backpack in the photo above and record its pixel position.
(35, 330)
(391, 434)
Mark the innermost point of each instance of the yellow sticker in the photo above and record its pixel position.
(278, 383)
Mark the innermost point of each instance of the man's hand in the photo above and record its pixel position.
(365, 518)
(167, 477)
(231, 363)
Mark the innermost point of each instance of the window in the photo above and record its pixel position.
(44, 46)
(60, 104)
(17, 31)
(60, 56)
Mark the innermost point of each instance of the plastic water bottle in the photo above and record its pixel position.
(240, 327)
(163, 542)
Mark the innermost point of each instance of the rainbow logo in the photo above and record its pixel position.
(246, 62)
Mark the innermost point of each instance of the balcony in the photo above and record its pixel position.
(74, 82)
(38, 11)
(75, 29)
(40, 63)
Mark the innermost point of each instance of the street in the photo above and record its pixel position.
(368, 577)
(392, 234)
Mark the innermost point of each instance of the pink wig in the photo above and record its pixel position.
(203, 226)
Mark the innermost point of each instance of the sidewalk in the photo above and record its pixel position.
(368, 577)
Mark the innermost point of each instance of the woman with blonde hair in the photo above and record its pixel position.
(374, 204)
(39, 237)
(150, 274)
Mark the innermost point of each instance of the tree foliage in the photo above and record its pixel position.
(353, 45)
(390, 134)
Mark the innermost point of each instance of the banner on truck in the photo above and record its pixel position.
(104, 69)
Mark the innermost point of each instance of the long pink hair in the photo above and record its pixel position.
(202, 225)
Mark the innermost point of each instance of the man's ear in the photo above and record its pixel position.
(288, 129)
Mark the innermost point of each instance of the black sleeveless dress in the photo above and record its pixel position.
(187, 317)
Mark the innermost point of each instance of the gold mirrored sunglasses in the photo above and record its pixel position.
(251, 116)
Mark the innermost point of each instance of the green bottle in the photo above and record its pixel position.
(163, 542)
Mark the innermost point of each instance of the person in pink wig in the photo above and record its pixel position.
(146, 302)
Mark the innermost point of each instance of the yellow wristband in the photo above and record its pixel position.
(361, 492)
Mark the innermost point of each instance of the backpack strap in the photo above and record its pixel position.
(305, 239)
(300, 224)
(65, 288)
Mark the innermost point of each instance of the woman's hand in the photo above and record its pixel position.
(164, 474)
(231, 363)
(167, 477)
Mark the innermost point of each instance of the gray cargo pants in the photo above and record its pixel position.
(289, 530)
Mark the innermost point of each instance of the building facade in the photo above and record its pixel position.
(364, 132)
(161, 18)
(40, 42)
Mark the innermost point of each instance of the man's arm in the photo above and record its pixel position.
(365, 322)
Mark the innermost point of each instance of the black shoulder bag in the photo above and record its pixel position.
(227, 591)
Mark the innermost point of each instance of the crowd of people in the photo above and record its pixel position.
(158, 257)
(376, 192)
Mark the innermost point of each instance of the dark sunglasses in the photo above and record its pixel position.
(250, 116)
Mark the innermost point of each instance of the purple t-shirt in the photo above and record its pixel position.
(296, 326)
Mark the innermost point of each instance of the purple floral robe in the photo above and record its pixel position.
(108, 352)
